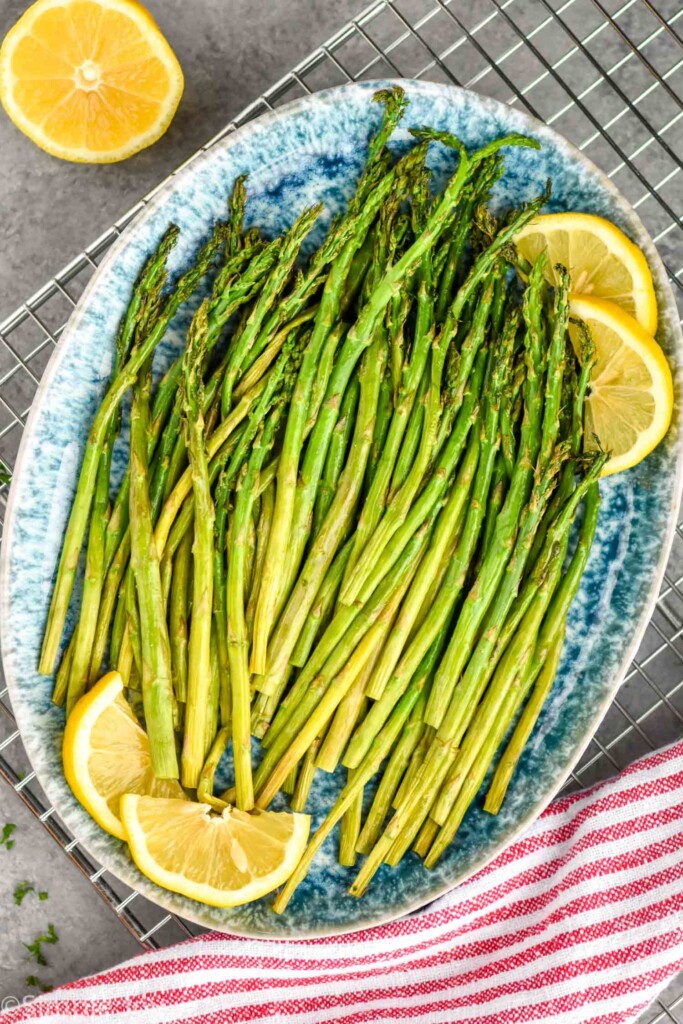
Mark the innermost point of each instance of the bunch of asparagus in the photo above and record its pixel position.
(345, 522)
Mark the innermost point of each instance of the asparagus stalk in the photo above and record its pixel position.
(411, 377)
(208, 773)
(288, 467)
(507, 690)
(147, 298)
(349, 710)
(350, 827)
(157, 685)
(295, 501)
(304, 779)
(322, 609)
(234, 285)
(411, 438)
(359, 337)
(179, 615)
(238, 640)
(405, 514)
(62, 677)
(196, 743)
(444, 747)
(262, 533)
(338, 451)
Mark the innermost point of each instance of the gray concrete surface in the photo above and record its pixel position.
(230, 51)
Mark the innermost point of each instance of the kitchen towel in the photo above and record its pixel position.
(578, 922)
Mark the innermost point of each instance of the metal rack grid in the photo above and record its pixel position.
(606, 74)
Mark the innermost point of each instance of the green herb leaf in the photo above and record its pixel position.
(7, 830)
(35, 951)
(22, 890)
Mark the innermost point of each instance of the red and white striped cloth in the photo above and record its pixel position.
(580, 922)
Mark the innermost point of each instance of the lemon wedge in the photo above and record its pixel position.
(221, 859)
(630, 401)
(106, 754)
(89, 80)
(602, 261)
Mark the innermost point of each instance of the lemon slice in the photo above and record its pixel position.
(601, 260)
(630, 402)
(222, 859)
(106, 754)
(89, 80)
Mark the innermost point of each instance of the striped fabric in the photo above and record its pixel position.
(580, 922)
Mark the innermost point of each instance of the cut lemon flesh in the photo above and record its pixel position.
(106, 754)
(221, 859)
(602, 262)
(629, 405)
(89, 80)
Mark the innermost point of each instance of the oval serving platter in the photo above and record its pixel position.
(312, 150)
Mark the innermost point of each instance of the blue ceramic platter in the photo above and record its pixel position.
(314, 150)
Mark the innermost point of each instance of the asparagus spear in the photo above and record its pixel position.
(157, 685)
(405, 515)
(338, 450)
(289, 626)
(234, 285)
(304, 780)
(349, 710)
(244, 344)
(196, 743)
(238, 641)
(321, 612)
(442, 752)
(262, 533)
(332, 531)
(178, 619)
(208, 772)
(350, 827)
(136, 323)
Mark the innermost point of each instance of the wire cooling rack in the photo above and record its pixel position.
(606, 75)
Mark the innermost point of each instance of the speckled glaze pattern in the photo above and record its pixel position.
(313, 150)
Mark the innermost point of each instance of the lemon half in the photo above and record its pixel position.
(89, 80)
